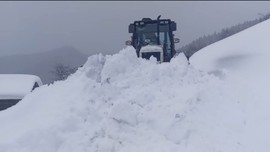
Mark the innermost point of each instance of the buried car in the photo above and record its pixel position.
(13, 88)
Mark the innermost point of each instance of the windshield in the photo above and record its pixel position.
(147, 34)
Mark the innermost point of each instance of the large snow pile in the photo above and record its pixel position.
(122, 103)
(113, 103)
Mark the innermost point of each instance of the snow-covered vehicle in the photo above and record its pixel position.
(13, 88)
(158, 34)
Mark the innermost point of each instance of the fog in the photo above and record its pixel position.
(94, 27)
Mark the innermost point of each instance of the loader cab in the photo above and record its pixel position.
(153, 38)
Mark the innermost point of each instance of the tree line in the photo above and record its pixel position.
(204, 41)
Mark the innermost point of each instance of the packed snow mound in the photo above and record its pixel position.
(113, 103)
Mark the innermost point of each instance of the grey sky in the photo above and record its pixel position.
(92, 27)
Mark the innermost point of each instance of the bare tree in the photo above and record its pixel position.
(61, 71)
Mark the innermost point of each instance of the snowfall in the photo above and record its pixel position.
(120, 103)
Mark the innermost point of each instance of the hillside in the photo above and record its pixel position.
(41, 64)
(245, 54)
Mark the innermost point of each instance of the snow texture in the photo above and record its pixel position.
(121, 103)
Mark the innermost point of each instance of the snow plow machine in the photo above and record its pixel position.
(153, 38)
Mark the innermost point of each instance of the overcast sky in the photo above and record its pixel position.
(93, 27)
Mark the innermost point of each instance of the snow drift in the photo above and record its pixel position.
(120, 103)
(113, 103)
(245, 54)
(244, 59)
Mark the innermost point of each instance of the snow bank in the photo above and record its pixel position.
(241, 120)
(244, 53)
(244, 56)
(113, 103)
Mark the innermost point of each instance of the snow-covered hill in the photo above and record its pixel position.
(120, 103)
(247, 52)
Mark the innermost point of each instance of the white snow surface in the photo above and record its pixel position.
(121, 103)
(16, 86)
(245, 53)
